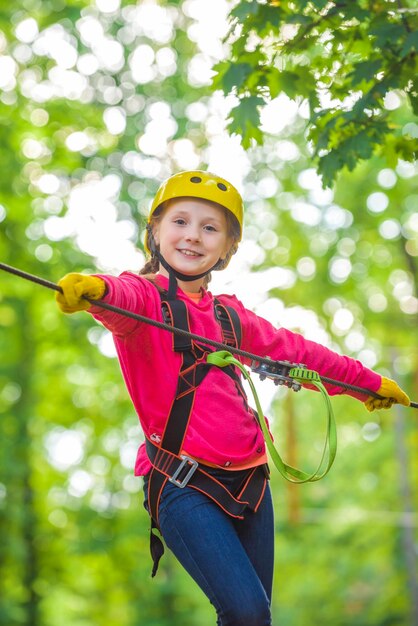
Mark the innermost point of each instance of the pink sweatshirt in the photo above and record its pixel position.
(221, 430)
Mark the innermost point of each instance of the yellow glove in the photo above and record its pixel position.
(74, 287)
(391, 393)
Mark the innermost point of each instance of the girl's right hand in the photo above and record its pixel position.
(75, 287)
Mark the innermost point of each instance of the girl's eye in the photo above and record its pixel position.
(180, 221)
(210, 228)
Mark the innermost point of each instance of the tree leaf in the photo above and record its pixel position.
(244, 9)
(289, 82)
(328, 167)
(411, 43)
(273, 81)
(245, 120)
(387, 33)
(235, 76)
(267, 20)
(365, 70)
(299, 18)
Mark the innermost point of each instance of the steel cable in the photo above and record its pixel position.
(178, 331)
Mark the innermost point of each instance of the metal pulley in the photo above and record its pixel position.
(281, 372)
(278, 372)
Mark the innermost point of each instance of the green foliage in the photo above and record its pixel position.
(68, 554)
(74, 548)
(342, 58)
(246, 121)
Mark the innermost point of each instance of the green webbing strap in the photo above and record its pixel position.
(223, 358)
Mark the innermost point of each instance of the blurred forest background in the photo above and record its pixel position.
(99, 102)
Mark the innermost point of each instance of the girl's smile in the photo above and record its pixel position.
(192, 235)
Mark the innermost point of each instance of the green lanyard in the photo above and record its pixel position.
(223, 358)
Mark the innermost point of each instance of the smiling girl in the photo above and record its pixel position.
(194, 237)
(203, 460)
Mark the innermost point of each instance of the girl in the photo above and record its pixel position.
(203, 460)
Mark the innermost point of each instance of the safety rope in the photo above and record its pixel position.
(292, 474)
(204, 340)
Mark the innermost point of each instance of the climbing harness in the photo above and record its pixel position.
(168, 462)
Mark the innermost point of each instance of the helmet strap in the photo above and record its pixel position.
(173, 274)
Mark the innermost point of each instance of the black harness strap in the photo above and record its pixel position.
(176, 314)
(183, 471)
(167, 462)
(192, 372)
(230, 324)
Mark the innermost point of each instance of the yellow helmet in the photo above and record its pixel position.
(198, 184)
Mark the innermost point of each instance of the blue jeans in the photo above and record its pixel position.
(231, 560)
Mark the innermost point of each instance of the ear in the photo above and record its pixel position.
(156, 234)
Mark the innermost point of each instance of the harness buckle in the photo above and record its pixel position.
(193, 465)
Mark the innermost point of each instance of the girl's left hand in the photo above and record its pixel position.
(391, 394)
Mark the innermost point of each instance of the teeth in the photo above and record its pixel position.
(189, 253)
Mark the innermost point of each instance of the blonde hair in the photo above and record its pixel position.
(152, 265)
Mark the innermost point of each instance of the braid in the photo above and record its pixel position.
(150, 267)
(149, 270)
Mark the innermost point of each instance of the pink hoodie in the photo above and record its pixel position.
(221, 430)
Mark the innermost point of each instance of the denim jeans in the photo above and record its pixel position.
(231, 560)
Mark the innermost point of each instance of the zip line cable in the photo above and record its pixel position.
(178, 331)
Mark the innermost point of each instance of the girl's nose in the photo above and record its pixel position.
(193, 233)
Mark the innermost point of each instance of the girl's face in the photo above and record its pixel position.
(192, 235)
